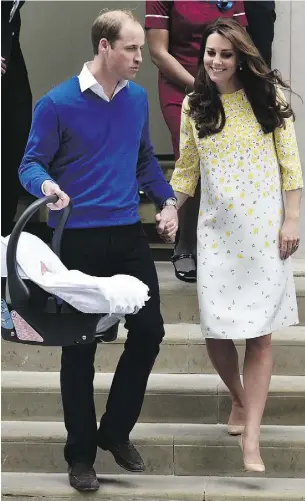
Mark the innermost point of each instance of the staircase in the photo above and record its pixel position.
(181, 432)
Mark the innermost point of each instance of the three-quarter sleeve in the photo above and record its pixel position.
(157, 15)
(187, 168)
(288, 155)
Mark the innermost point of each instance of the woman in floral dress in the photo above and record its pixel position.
(174, 34)
(237, 134)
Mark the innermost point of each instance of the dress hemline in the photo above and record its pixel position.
(254, 335)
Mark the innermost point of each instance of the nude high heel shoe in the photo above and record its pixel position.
(235, 429)
(251, 467)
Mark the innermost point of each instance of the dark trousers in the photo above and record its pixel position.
(261, 18)
(106, 252)
(16, 116)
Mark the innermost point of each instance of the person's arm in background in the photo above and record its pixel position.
(240, 13)
(10, 30)
(261, 17)
(42, 146)
(157, 22)
(151, 180)
(6, 34)
(187, 169)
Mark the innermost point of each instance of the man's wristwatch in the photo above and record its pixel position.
(170, 202)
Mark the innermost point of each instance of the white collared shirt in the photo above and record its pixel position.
(87, 81)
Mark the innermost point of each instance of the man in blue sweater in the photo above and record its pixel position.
(89, 141)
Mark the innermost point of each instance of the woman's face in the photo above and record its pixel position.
(220, 60)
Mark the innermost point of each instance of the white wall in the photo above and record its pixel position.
(56, 41)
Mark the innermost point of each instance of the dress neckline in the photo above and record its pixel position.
(236, 92)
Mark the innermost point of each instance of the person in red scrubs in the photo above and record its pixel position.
(174, 32)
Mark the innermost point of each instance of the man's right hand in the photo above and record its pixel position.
(50, 188)
(3, 66)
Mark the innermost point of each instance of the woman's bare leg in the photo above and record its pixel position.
(257, 375)
(224, 357)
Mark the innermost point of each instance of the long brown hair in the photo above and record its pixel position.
(259, 83)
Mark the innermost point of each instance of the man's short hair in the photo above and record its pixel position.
(108, 25)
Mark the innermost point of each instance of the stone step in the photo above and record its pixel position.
(171, 398)
(298, 267)
(167, 449)
(182, 351)
(55, 486)
(179, 299)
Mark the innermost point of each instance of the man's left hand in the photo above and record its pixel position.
(167, 223)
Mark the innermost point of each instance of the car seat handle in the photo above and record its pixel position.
(57, 235)
(18, 290)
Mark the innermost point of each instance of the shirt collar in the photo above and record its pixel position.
(88, 81)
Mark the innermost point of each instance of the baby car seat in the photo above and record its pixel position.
(31, 315)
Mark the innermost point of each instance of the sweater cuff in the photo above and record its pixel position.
(42, 187)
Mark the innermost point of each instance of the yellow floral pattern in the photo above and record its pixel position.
(244, 289)
(280, 149)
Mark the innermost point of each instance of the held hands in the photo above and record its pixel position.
(50, 188)
(167, 223)
(289, 237)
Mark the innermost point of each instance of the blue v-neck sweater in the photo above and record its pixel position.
(98, 152)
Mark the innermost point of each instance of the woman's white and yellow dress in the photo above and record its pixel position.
(244, 289)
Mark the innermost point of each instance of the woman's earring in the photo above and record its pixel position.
(240, 66)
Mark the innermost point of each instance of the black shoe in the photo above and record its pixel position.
(127, 456)
(185, 276)
(83, 477)
(110, 334)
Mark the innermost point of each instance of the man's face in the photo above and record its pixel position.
(125, 56)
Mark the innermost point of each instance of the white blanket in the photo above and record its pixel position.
(117, 295)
